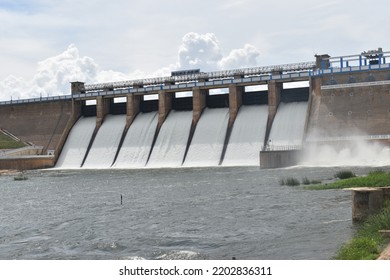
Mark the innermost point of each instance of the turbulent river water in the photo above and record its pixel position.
(184, 213)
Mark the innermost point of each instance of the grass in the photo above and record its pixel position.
(368, 242)
(8, 143)
(306, 181)
(377, 178)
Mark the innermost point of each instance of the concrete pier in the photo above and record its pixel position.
(198, 103)
(132, 108)
(365, 202)
(164, 106)
(274, 96)
(235, 101)
(278, 159)
(102, 109)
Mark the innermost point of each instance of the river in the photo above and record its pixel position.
(183, 213)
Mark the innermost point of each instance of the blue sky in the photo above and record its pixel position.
(44, 43)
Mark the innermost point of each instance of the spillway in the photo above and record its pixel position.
(138, 141)
(106, 142)
(77, 143)
(288, 125)
(169, 149)
(207, 142)
(247, 136)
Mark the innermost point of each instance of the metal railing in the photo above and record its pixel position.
(39, 99)
(348, 138)
(281, 147)
(18, 151)
(245, 72)
(364, 59)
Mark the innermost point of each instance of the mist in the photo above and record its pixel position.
(349, 153)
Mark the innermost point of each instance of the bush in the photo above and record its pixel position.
(20, 177)
(344, 174)
(290, 182)
(305, 181)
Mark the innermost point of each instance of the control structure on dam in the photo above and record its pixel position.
(195, 118)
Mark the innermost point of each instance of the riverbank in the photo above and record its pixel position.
(377, 178)
(368, 242)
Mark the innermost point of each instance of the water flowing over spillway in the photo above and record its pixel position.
(106, 142)
(247, 136)
(171, 143)
(245, 142)
(207, 143)
(76, 145)
(138, 142)
(288, 125)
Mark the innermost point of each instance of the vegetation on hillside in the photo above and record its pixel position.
(9, 143)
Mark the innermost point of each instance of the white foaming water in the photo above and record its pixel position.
(76, 145)
(106, 142)
(289, 125)
(356, 153)
(207, 143)
(247, 136)
(180, 255)
(169, 149)
(138, 142)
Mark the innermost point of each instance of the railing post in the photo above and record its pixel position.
(380, 55)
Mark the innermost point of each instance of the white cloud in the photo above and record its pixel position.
(238, 58)
(204, 51)
(145, 35)
(53, 75)
(199, 50)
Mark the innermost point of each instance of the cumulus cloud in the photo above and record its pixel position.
(54, 74)
(199, 50)
(238, 58)
(204, 51)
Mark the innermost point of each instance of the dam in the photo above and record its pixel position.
(263, 116)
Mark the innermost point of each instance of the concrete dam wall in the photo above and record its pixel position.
(351, 105)
(340, 104)
(39, 123)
